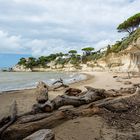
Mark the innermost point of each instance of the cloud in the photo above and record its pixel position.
(41, 27)
(9, 44)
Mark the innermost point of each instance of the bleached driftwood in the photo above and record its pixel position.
(13, 115)
(61, 84)
(90, 96)
(43, 134)
(42, 92)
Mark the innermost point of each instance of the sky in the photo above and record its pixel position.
(41, 27)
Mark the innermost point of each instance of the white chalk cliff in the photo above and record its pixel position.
(20, 68)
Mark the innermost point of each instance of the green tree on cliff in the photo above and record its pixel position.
(88, 50)
(130, 25)
(72, 52)
(31, 62)
(42, 60)
(22, 61)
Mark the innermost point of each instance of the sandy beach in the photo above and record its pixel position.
(73, 129)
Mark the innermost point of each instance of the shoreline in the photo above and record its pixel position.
(88, 77)
(80, 76)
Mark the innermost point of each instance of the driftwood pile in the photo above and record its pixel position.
(47, 114)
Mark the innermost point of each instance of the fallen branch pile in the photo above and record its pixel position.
(48, 114)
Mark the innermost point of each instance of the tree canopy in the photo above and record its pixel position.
(130, 25)
(88, 50)
(72, 51)
(22, 61)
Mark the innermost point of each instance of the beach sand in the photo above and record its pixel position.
(88, 128)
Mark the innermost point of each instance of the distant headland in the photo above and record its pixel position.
(123, 56)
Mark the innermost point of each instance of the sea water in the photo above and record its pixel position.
(25, 80)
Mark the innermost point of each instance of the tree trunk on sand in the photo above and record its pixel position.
(90, 96)
(22, 129)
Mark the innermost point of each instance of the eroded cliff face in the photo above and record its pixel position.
(127, 60)
(20, 68)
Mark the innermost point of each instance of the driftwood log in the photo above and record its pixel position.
(60, 83)
(43, 134)
(73, 92)
(42, 92)
(86, 105)
(22, 129)
(90, 96)
(11, 119)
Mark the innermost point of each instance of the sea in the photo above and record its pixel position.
(26, 80)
